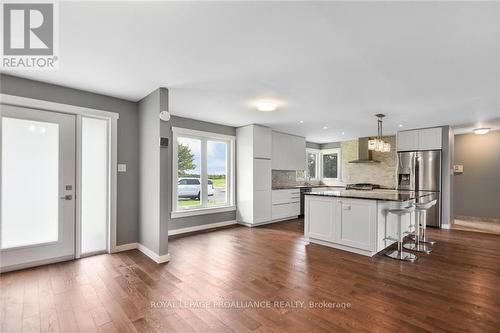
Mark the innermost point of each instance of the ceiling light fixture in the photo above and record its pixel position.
(301, 121)
(343, 133)
(325, 127)
(378, 144)
(400, 125)
(482, 130)
(266, 105)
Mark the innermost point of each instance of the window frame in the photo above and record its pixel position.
(319, 163)
(316, 152)
(339, 163)
(204, 208)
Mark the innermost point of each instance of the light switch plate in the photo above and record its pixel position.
(458, 168)
(122, 168)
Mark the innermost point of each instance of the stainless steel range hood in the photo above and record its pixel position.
(364, 155)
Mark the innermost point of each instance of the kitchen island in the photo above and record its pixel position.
(356, 220)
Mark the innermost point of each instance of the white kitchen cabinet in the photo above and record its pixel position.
(355, 223)
(263, 174)
(320, 218)
(285, 196)
(430, 138)
(420, 139)
(253, 181)
(262, 142)
(408, 140)
(288, 151)
(285, 204)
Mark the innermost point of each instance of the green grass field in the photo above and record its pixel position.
(219, 183)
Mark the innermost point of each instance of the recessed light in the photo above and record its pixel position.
(482, 130)
(343, 133)
(301, 121)
(400, 125)
(266, 105)
(325, 127)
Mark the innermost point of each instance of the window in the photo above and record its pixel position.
(203, 169)
(330, 164)
(312, 165)
(323, 164)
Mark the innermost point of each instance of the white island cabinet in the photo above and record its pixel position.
(351, 224)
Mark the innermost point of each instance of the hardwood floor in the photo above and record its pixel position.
(455, 288)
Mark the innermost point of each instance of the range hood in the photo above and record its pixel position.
(364, 155)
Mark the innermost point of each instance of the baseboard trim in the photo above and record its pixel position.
(200, 227)
(251, 225)
(125, 247)
(152, 255)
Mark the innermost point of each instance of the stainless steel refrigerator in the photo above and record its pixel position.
(421, 171)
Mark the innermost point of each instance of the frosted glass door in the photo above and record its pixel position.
(94, 218)
(37, 186)
(30, 160)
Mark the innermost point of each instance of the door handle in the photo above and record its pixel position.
(67, 197)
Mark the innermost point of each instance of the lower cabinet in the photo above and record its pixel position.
(355, 222)
(347, 222)
(281, 211)
(320, 214)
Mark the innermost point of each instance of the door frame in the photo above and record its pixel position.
(80, 112)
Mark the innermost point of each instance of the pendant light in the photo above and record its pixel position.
(378, 144)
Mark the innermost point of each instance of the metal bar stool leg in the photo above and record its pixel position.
(399, 254)
(417, 245)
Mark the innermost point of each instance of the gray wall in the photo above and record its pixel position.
(128, 183)
(330, 145)
(191, 221)
(313, 145)
(477, 189)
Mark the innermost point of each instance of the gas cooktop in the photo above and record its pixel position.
(362, 186)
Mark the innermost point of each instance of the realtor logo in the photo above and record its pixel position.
(29, 37)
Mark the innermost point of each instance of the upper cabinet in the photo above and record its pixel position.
(288, 152)
(262, 147)
(420, 139)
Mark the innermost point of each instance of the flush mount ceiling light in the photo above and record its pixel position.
(266, 105)
(378, 144)
(482, 130)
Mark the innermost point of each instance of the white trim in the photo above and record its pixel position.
(201, 227)
(125, 247)
(112, 118)
(201, 211)
(212, 135)
(328, 151)
(78, 188)
(230, 182)
(251, 225)
(156, 258)
(52, 106)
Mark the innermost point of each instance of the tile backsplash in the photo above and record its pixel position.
(285, 178)
(383, 173)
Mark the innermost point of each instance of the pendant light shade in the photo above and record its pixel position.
(378, 144)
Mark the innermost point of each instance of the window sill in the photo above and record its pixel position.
(201, 211)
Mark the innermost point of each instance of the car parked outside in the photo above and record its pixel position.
(190, 188)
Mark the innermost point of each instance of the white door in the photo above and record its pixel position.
(37, 187)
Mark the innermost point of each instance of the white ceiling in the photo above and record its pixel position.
(332, 64)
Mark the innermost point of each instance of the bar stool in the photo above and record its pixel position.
(399, 254)
(420, 229)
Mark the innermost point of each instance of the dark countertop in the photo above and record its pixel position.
(384, 195)
(291, 187)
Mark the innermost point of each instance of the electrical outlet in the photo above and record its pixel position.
(122, 168)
